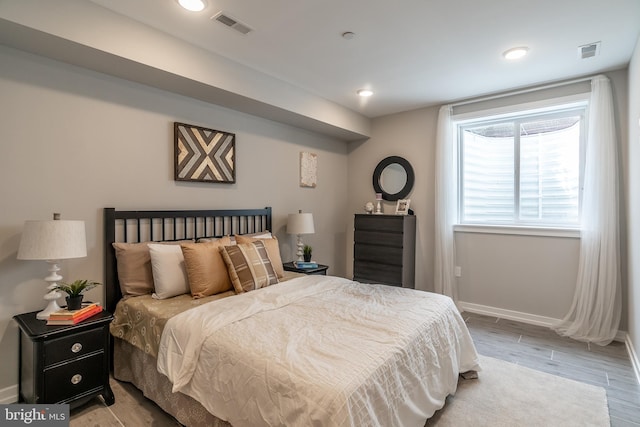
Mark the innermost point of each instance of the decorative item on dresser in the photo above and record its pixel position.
(52, 241)
(379, 210)
(384, 249)
(402, 206)
(64, 364)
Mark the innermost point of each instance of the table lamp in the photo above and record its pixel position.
(52, 241)
(298, 224)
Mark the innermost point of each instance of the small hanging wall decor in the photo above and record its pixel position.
(308, 169)
(204, 155)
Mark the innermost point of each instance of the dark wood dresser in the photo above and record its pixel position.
(384, 249)
(64, 364)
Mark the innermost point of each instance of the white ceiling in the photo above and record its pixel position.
(411, 53)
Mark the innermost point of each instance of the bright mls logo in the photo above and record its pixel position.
(34, 415)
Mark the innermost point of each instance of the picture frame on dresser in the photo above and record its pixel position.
(402, 206)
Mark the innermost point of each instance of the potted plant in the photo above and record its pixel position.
(306, 252)
(74, 292)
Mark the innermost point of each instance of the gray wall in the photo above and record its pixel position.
(529, 277)
(410, 135)
(75, 141)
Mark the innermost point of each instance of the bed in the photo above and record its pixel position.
(278, 348)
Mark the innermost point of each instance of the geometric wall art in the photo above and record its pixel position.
(204, 155)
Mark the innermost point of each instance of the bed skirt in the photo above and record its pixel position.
(138, 368)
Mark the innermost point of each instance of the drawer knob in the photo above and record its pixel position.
(76, 347)
(76, 379)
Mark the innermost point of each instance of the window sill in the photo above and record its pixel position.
(573, 233)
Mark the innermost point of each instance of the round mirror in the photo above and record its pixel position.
(393, 177)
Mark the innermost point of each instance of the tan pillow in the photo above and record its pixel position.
(134, 267)
(208, 239)
(249, 266)
(206, 270)
(273, 249)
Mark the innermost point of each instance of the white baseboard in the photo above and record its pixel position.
(635, 362)
(518, 316)
(531, 319)
(9, 395)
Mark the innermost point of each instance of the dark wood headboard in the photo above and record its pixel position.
(157, 226)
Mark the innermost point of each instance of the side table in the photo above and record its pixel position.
(320, 269)
(64, 364)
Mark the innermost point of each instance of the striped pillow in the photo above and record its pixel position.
(249, 266)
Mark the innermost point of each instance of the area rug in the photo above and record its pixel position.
(506, 394)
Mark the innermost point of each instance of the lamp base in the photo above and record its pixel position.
(300, 249)
(52, 297)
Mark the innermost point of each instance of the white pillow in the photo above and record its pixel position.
(169, 271)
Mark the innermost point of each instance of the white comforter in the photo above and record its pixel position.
(319, 351)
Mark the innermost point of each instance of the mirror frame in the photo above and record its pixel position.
(408, 186)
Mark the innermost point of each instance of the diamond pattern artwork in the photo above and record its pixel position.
(204, 155)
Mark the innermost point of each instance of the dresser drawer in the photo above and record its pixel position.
(384, 223)
(74, 378)
(380, 254)
(369, 272)
(79, 344)
(378, 238)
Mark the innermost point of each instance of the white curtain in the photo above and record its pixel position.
(594, 315)
(446, 204)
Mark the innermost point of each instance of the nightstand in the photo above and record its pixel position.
(64, 364)
(321, 269)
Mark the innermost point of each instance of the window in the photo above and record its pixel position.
(523, 170)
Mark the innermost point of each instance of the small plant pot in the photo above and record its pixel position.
(74, 303)
(307, 257)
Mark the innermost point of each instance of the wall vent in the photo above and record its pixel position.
(226, 19)
(589, 50)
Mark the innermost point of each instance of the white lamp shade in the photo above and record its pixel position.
(300, 223)
(53, 240)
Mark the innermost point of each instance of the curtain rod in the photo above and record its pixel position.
(519, 92)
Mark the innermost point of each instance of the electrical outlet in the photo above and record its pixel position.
(458, 271)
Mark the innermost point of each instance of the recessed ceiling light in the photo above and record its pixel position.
(516, 52)
(365, 92)
(193, 5)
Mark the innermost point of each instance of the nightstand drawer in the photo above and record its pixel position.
(74, 378)
(76, 345)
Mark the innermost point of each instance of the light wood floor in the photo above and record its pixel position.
(527, 345)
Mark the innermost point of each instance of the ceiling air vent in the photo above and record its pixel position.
(226, 19)
(589, 50)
